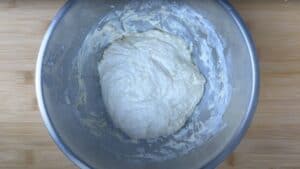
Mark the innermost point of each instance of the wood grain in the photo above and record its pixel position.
(24, 141)
(272, 142)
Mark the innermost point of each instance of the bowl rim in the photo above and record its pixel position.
(245, 124)
(232, 144)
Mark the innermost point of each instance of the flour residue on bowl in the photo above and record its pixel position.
(207, 53)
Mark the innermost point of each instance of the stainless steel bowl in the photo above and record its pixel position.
(54, 76)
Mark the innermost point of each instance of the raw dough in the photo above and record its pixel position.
(149, 83)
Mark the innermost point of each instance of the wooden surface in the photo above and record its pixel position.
(272, 142)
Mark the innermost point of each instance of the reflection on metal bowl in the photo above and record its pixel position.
(69, 92)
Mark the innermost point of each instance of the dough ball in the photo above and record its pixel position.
(149, 83)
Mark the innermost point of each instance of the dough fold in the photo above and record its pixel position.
(149, 83)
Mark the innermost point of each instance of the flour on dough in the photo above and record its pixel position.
(149, 83)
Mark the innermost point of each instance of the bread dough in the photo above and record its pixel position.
(149, 83)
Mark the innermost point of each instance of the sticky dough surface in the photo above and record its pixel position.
(149, 83)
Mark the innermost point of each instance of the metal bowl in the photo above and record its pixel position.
(61, 103)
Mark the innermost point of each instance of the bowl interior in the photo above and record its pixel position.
(75, 120)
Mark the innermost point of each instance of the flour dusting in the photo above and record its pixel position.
(207, 53)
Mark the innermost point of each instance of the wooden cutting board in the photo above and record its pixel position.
(272, 142)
